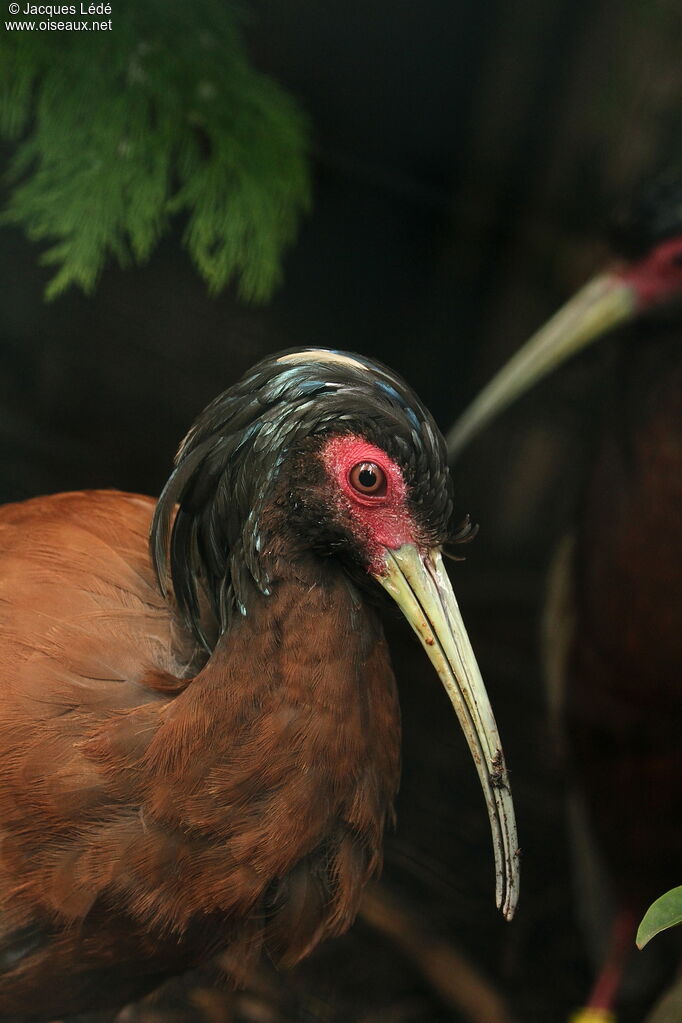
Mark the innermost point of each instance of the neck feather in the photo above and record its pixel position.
(281, 758)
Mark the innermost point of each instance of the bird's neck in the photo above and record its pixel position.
(311, 646)
(311, 631)
(283, 753)
(629, 551)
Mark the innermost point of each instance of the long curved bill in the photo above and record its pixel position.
(422, 590)
(600, 305)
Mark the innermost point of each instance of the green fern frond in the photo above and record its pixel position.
(121, 130)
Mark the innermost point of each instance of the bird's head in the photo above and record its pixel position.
(647, 233)
(312, 451)
(329, 455)
(647, 236)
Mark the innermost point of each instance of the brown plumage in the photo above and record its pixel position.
(164, 795)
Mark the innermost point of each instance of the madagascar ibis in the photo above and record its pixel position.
(614, 650)
(199, 730)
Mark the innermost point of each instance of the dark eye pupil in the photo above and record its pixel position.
(368, 478)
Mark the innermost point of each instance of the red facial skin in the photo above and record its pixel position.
(657, 278)
(382, 520)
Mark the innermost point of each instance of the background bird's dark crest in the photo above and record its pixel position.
(231, 458)
(650, 215)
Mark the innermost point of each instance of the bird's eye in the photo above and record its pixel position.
(368, 478)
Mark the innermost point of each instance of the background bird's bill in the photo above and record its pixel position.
(421, 588)
(602, 304)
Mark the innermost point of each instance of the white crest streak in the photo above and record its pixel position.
(323, 355)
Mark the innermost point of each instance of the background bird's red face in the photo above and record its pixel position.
(371, 494)
(657, 278)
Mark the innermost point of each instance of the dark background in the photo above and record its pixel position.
(467, 156)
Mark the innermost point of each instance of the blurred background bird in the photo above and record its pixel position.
(613, 647)
(200, 747)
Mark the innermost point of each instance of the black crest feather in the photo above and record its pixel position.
(652, 214)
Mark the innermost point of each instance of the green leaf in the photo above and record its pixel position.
(663, 913)
(118, 132)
